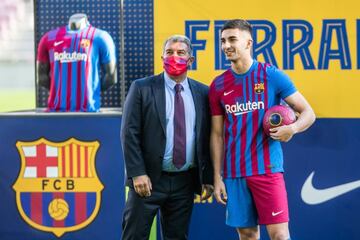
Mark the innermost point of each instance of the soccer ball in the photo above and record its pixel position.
(276, 116)
(58, 209)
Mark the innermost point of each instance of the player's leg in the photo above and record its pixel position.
(240, 209)
(252, 233)
(270, 198)
(279, 231)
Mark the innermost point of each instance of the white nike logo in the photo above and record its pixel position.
(227, 93)
(311, 195)
(276, 213)
(58, 43)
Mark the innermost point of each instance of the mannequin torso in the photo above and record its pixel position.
(79, 43)
(78, 21)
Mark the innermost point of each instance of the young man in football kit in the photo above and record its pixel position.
(248, 164)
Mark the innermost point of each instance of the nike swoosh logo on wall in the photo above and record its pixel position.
(312, 195)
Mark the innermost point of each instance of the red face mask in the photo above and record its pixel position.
(174, 65)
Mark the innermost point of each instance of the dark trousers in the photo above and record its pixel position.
(173, 195)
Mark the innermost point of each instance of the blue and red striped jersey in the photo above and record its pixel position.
(75, 58)
(243, 99)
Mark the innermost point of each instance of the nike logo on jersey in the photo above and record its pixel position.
(227, 93)
(58, 43)
(312, 195)
(276, 213)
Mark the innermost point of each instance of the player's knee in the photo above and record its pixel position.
(280, 235)
(248, 234)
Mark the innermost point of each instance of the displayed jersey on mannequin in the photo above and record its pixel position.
(75, 58)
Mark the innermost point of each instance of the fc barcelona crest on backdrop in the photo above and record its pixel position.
(259, 88)
(57, 189)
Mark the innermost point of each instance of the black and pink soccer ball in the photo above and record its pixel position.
(276, 116)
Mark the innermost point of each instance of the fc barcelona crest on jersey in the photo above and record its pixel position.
(259, 88)
(57, 189)
(85, 43)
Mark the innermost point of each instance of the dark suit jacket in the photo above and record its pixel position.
(143, 129)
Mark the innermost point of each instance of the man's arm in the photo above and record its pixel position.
(208, 172)
(217, 153)
(305, 119)
(131, 135)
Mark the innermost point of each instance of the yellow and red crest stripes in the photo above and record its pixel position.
(85, 43)
(259, 87)
(58, 189)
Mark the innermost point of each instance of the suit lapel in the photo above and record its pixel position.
(158, 88)
(198, 104)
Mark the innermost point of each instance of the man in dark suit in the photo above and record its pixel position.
(165, 138)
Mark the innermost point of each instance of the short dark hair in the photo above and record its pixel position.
(240, 24)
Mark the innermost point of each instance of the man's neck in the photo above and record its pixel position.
(242, 65)
(178, 79)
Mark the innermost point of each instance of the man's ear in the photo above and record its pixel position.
(191, 60)
(249, 43)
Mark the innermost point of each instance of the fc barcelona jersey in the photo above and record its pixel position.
(75, 58)
(243, 99)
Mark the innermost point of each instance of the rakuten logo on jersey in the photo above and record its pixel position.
(242, 108)
(65, 57)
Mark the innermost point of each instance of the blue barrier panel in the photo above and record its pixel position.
(61, 176)
(327, 159)
(321, 165)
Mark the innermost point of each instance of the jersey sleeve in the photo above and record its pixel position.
(106, 48)
(43, 52)
(215, 101)
(282, 83)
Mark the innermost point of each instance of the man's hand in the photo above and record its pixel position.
(282, 133)
(220, 191)
(206, 191)
(142, 185)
